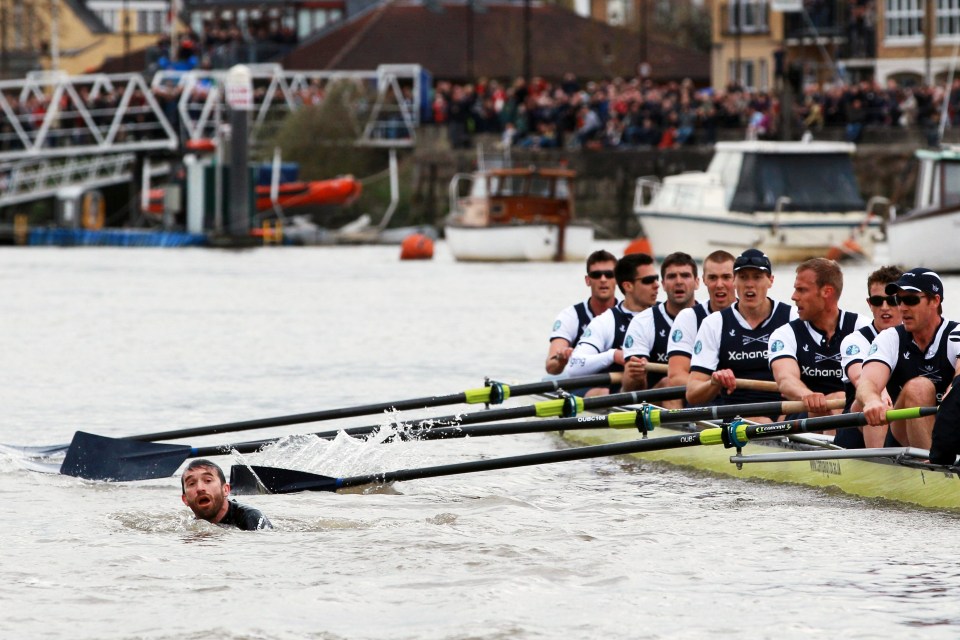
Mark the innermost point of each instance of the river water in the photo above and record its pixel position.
(120, 342)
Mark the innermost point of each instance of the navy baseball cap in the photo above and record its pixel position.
(752, 259)
(920, 280)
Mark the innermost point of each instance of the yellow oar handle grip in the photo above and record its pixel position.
(559, 407)
(482, 395)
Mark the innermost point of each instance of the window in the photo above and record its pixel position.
(948, 17)
(746, 77)
(904, 20)
(110, 18)
(151, 21)
(616, 13)
(748, 16)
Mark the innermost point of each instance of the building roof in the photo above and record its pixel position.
(407, 32)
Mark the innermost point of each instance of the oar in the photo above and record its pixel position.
(96, 457)
(493, 393)
(742, 383)
(257, 479)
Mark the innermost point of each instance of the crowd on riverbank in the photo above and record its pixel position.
(640, 113)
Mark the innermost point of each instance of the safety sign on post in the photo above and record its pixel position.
(238, 86)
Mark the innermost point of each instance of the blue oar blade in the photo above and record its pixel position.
(257, 479)
(96, 457)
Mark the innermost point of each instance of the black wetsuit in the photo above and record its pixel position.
(244, 518)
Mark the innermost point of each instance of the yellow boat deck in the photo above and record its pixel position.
(914, 483)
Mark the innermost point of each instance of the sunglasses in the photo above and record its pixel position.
(911, 299)
(876, 301)
(648, 280)
(761, 262)
(596, 275)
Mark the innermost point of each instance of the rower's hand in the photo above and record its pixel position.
(636, 370)
(815, 403)
(726, 379)
(618, 357)
(875, 412)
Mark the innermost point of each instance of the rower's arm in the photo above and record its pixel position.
(678, 370)
(558, 355)
(786, 372)
(853, 373)
(586, 361)
(700, 388)
(873, 378)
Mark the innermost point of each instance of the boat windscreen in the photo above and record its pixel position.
(951, 184)
(813, 182)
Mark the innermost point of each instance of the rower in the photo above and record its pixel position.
(805, 353)
(649, 331)
(854, 349)
(915, 361)
(205, 490)
(732, 344)
(599, 348)
(718, 277)
(570, 323)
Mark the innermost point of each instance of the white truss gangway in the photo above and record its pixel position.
(383, 105)
(55, 115)
(35, 179)
(58, 131)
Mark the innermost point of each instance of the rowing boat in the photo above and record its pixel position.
(896, 474)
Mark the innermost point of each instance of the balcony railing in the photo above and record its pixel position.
(824, 19)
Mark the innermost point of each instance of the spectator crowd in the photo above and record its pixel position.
(637, 112)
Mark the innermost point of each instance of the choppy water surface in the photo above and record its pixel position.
(121, 342)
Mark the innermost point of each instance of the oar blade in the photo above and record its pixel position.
(41, 451)
(257, 479)
(95, 457)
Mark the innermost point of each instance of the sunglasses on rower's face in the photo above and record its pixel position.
(876, 301)
(647, 280)
(910, 299)
(596, 275)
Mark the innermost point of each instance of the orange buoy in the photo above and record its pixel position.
(640, 245)
(416, 246)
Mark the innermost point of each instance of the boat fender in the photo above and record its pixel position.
(416, 246)
(640, 245)
(93, 211)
